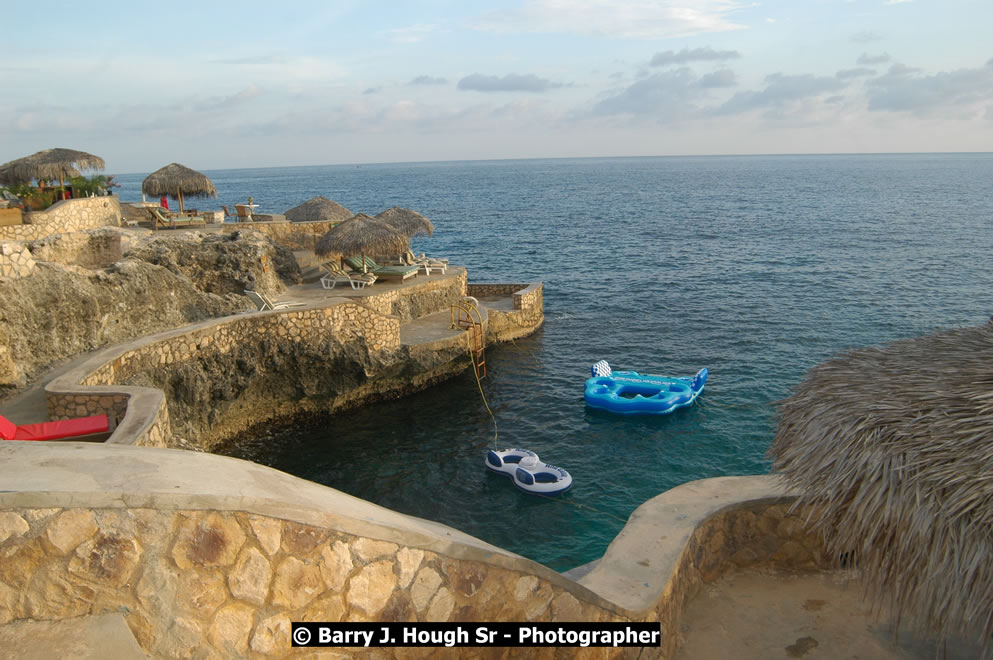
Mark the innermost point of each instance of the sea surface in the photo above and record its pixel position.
(755, 267)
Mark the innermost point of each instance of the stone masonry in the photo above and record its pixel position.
(66, 216)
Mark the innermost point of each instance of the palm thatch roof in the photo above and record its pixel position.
(892, 447)
(407, 222)
(178, 181)
(318, 209)
(361, 235)
(49, 164)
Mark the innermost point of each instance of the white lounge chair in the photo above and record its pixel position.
(336, 273)
(264, 304)
(425, 262)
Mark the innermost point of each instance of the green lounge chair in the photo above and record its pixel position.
(382, 272)
(176, 220)
(335, 274)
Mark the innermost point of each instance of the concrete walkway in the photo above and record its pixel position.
(755, 615)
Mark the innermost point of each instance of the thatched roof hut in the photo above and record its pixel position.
(318, 209)
(892, 447)
(361, 235)
(178, 181)
(407, 222)
(49, 164)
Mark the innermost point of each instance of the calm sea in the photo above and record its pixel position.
(755, 267)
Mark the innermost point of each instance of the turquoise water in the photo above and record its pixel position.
(755, 267)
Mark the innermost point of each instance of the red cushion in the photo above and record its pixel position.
(65, 428)
(7, 428)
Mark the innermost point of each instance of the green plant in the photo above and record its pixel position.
(95, 185)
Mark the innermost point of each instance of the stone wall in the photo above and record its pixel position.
(66, 216)
(222, 375)
(230, 583)
(15, 260)
(222, 566)
(293, 235)
(528, 310)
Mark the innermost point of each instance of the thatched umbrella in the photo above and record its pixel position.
(361, 234)
(49, 164)
(407, 222)
(179, 182)
(892, 448)
(318, 209)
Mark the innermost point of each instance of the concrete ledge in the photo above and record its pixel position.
(87, 637)
(641, 560)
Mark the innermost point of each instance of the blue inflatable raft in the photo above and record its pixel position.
(629, 392)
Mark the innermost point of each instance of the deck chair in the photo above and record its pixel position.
(425, 262)
(382, 272)
(244, 212)
(336, 273)
(63, 429)
(174, 220)
(228, 214)
(264, 304)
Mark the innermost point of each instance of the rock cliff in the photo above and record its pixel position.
(96, 288)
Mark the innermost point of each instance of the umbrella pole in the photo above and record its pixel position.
(181, 208)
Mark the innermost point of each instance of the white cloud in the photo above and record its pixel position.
(960, 94)
(685, 55)
(411, 34)
(512, 82)
(626, 19)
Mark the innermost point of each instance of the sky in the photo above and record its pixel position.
(217, 85)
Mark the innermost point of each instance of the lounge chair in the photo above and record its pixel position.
(336, 273)
(175, 220)
(382, 272)
(58, 430)
(425, 262)
(263, 303)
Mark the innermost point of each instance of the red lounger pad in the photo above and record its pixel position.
(65, 428)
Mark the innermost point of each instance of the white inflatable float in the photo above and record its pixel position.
(528, 472)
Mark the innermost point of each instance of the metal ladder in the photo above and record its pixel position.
(465, 314)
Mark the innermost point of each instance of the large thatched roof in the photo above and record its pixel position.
(178, 181)
(407, 222)
(50, 164)
(359, 235)
(318, 209)
(893, 449)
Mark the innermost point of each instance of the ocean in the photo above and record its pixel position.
(756, 267)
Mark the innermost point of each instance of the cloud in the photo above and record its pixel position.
(692, 55)
(896, 2)
(411, 34)
(372, 90)
(511, 82)
(722, 78)
(667, 96)
(858, 72)
(780, 92)
(867, 59)
(625, 19)
(864, 37)
(228, 102)
(427, 80)
(958, 94)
